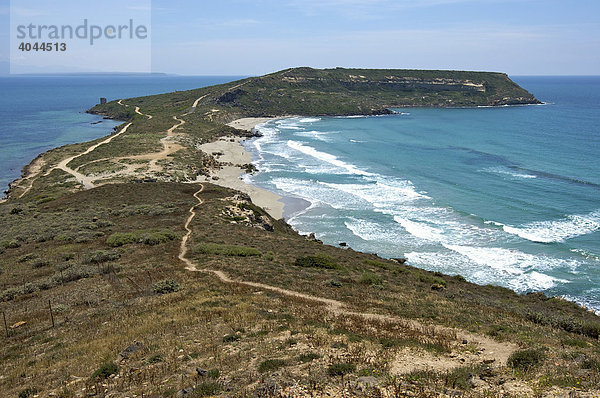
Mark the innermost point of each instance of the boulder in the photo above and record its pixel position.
(201, 372)
(185, 392)
(132, 349)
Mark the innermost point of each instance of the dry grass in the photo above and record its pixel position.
(231, 329)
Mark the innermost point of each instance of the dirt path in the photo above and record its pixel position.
(85, 180)
(183, 247)
(137, 110)
(489, 349)
(33, 170)
(169, 147)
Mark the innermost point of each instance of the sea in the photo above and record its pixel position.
(508, 196)
(38, 113)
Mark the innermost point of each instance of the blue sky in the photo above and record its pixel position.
(243, 37)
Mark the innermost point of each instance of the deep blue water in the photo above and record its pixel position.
(39, 113)
(508, 196)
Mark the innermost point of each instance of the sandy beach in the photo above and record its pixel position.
(230, 176)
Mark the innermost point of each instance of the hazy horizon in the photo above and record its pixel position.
(240, 37)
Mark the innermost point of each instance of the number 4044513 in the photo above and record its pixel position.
(46, 46)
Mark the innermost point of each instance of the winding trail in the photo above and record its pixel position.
(34, 169)
(491, 350)
(169, 148)
(83, 179)
(137, 110)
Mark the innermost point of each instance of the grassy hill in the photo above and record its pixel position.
(175, 288)
(307, 91)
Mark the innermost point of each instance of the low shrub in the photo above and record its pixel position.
(333, 283)
(120, 239)
(431, 279)
(591, 364)
(213, 373)
(526, 359)
(28, 257)
(28, 392)
(575, 342)
(101, 256)
(147, 237)
(75, 273)
(153, 238)
(568, 324)
(206, 389)
(10, 293)
(269, 256)
(370, 278)
(39, 263)
(341, 369)
(271, 365)
(230, 338)
(226, 250)
(105, 371)
(317, 261)
(156, 358)
(67, 256)
(12, 244)
(166, 286)
(308, 357)
(460, 377)
(29, 287)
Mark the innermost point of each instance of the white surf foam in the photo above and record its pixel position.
(327, 157)
(383, 195)
(508, 172)
(421, 230)
(509, 268)
(316, 135)
(314, 191)
(558, 230)
(309, 119)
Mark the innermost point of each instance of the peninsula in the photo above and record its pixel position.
(139, 264)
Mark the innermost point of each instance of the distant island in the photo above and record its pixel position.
(140, 264)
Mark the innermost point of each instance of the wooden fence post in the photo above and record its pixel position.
(51, 314)
(5, 324)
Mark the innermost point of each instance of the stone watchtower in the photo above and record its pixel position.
(102, 100)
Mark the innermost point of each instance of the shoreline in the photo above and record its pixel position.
(233, 152)
(230, 151)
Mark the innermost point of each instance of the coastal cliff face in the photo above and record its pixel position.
(398, 87)
(125, 271)
(307, 91)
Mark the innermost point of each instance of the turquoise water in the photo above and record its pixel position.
(507, 196)
(39, 113)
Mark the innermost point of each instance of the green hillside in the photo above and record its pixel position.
(125, 271)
